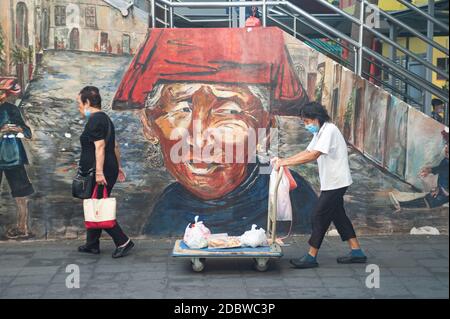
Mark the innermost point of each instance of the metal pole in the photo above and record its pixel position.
(428, 73)
(264, 22)
(165, 16)
(393, 50)
(171, 16)
(230, 21)
(241, 11)
(295, 27)
(355, 52)
(152, 4)
(360, 38)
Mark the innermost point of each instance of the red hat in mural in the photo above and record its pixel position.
(248, 56)
(9, 86)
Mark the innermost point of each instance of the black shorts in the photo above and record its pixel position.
(18, 181)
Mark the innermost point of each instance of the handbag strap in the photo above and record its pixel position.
(95, 192)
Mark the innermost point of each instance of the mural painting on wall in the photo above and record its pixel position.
(178, 81)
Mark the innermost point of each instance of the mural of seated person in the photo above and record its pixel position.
(438, 196)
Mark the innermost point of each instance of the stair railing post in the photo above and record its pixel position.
(171, 16)
(264, 13)
(230, 18)
(360, 38)
(295, 26)
(165, 16)
(428, 73)
(152, 12)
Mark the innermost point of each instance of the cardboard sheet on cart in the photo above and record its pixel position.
(182, 250)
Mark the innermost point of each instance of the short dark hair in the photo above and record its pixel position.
(436, 102)
(315, 110)
(92, 94)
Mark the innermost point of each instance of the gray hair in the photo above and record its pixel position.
(259, 91)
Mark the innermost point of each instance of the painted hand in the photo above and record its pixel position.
(434, 192)
(424, 172)
(11, 129)
(122, 176)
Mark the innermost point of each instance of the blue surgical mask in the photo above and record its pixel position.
(312, 128)
(87, 113)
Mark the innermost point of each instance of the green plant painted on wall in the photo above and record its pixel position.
(19, 55)
(319, 89)
(348, 116)
(2, 51)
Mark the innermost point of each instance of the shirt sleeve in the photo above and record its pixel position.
(325, 141)
(97, 128)
(310, 145)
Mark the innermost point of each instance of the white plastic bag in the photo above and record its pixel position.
(196, 235)
(425, 230)
(284, 207)
(254, 237)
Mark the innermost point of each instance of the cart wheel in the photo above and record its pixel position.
(261, 264)
(198, 264)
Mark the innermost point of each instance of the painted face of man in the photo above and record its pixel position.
(197, 110)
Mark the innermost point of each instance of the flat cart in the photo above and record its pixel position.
(260, 255)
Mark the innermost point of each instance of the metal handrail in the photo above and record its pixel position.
(298, 14)
(408, 28)
(424, 14)
(410, 75)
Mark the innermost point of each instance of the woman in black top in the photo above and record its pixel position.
(99, 150)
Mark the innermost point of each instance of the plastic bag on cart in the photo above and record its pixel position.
(196, 235)
(254, 237)
(287, 183)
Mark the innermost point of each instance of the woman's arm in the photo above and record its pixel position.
(122, 176)
(297, 159)
(117, 151)
(100, 161)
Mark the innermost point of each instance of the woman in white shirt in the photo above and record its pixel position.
(329, 148)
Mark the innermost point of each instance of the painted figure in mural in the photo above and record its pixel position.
(100, 150)
(253, 20)
(438, 110)
(438, 196)
(329, 148)
(13, 157)
(224, 79)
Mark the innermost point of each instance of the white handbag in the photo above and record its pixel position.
(99, 213)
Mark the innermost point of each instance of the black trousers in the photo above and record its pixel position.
(117, 234)
(330, 208)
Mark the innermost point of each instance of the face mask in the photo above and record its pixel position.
(312, 128)
(87, 113)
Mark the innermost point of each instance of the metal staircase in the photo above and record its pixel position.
(325, 33)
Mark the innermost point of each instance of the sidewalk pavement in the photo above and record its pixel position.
(410, 267)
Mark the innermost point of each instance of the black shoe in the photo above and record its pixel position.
(349, 259)
(86, 249)
(123, 251)
(304, 263)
